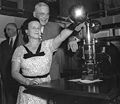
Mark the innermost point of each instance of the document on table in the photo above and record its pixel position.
(85, 80)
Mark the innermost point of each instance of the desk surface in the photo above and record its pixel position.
(106, 89)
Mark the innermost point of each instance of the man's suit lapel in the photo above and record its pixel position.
(15, 43)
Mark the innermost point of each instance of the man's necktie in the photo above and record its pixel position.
(11, 42)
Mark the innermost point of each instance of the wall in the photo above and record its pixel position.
(8, 19)
(88, 4)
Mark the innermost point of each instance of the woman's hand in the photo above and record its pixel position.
(35, 81)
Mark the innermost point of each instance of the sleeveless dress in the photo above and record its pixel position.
(32, 65)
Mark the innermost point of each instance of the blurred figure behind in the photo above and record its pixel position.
(7, 48)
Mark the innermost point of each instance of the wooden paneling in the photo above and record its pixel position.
(65, 5)
(28, 5)
(90, 5)
(11, 4)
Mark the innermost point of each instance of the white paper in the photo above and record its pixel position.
(85, 80)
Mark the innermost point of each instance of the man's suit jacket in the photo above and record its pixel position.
(6, 52)
(51, 30)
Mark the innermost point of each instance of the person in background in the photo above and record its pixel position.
(35, 58)
(7, 48)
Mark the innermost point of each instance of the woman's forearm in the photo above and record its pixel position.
(61, 37)
(17, 76)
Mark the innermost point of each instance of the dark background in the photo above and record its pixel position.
(95, 8)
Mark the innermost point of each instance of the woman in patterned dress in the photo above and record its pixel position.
(34, 60)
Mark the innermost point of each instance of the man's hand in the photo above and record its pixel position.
(72, 44)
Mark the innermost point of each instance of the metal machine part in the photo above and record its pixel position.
(77, 14)
(92, 64)
(89, 55)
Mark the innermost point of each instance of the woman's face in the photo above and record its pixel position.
(34, 29)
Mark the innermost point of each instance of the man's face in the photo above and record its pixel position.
(11, 30)
(42, 13)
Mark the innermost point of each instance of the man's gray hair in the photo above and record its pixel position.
(41, 4)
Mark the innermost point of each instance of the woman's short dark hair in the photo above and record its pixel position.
(25, 27)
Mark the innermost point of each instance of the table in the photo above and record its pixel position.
(67, 92)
